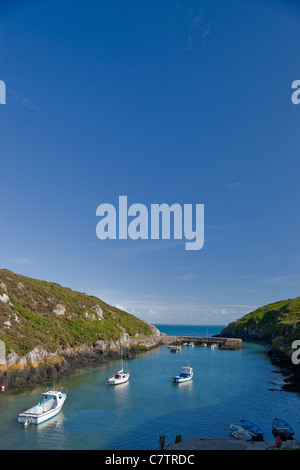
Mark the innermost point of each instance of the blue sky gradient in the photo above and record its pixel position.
(166, 102)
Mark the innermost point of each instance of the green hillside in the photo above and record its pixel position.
(34, 312)
(277, 319)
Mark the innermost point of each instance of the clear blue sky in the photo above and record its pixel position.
(173, 101)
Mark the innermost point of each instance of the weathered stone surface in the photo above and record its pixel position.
(39, 365)
(98, 310)
(232, 344)
(59, 310)
(4, 298)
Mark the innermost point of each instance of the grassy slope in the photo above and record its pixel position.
(277, 319)
(33, 321)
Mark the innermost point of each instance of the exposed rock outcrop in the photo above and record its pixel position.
(39, 365)
(47, 330)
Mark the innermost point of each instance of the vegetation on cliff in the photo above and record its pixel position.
(35, 312)
(270, 322)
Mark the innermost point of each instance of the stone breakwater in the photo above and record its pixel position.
(223, 343)
(40, 366)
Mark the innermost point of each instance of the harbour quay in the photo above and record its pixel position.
(222, 343)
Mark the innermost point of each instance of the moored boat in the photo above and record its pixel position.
(282, 428)
(175, 348)
(119, 378)
(49, 406)
(185, 375)
(239, 432)
(253, 429)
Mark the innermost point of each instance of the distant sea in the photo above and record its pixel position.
(190, 330)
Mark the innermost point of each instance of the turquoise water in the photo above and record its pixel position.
(227, 386)
(190, 330)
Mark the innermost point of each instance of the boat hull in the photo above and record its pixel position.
(240, 433)
(282, 429)
(118, 380)
(185, 376)
(178, 379)
(253, 429)
(175, 348)
(32, 416)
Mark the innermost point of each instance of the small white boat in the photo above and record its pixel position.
(204, 345)
(175, 348)
(119, 378)
(239, 432)
(214, 346)
(191, 345)
(185, 375)
(49, 406)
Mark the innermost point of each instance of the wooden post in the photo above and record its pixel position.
(161, 442)
(178, 438)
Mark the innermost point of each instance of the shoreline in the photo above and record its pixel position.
(227, 443)
(230, 443)
(39, 367)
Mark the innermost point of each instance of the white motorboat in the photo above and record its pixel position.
(185, 375)
(214, 346)
(49, 406)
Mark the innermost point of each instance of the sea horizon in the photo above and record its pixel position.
(189, 330)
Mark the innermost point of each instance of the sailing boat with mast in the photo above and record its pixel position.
(121, 376)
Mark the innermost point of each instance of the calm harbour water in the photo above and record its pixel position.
(227, 386)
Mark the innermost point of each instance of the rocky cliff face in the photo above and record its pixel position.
(249, 333)
(40, 366)
(47, 331)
